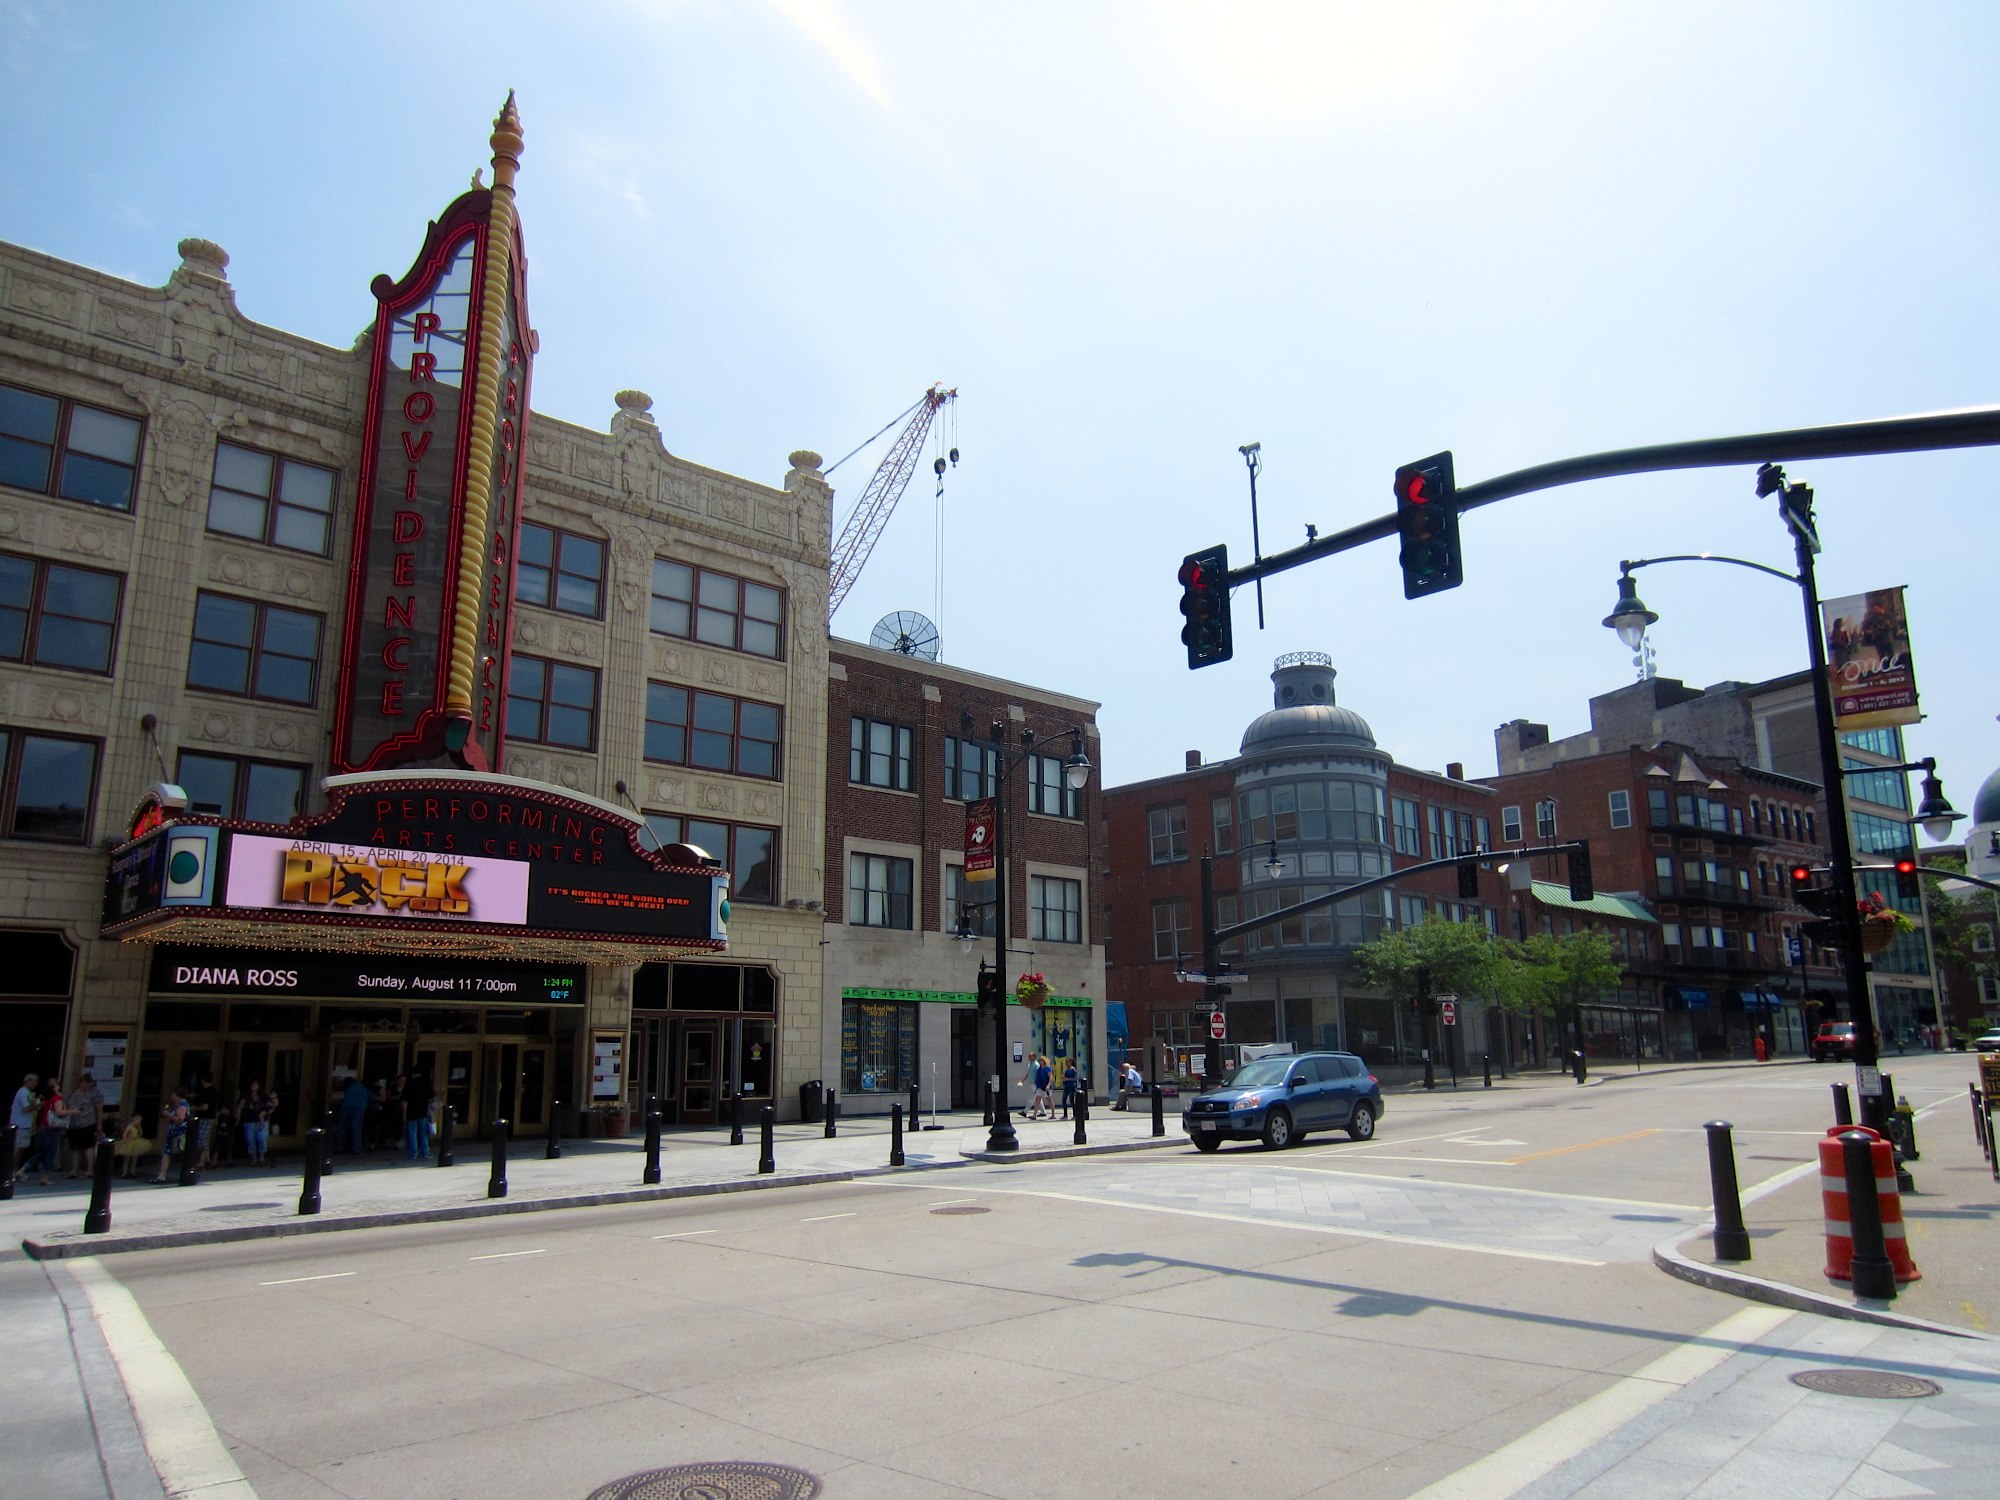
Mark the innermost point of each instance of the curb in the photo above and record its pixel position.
(1667, 1256)
(70, 1245)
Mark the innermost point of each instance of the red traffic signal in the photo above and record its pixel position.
(1427, 522)
(1801, 876)
(1204, 579)
(1906, 880)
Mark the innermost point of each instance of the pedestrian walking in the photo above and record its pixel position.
(253, 1114)
(1044, 1105)
(354, 1101)
(22, 1117)
(174, 1121)
(1070, 1078)
(48, 1130)
(417, 1117)
(86, 1117)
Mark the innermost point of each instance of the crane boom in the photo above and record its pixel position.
(878, 498)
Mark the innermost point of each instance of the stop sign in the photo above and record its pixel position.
(1216, 1027)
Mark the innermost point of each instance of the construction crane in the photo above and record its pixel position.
(884, 488)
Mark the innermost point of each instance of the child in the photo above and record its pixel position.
(132, 1146)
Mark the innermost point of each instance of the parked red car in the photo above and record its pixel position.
(1835, 1039)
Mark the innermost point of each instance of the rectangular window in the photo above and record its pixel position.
(279, 501)
(262, 791)
(47, 786)
(1545, 818)
(1409, 838)
(878, 1047)
(1049, 791)
(1510, 825)
(1409, 911)
(878, 891)
(53, 615)
(878, 753)
(1621, 809)
(1656, 804)
(747, 851)
(560, 570)
(551, 703)
(1221, 821)
(254, 650)
(1055, 909)
(1670, 934)
(968, 904)
(718, 609)
(711, 731)
(1166, 828)
(971, 770)
(66, 449)
(1440, 828)
(1172, 929)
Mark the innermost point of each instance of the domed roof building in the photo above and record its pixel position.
(1982, 844)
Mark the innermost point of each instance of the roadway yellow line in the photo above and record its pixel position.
(1515, 1161)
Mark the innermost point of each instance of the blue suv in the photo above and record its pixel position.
(1279, 1099)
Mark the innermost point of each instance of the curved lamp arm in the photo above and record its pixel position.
(1629, 617)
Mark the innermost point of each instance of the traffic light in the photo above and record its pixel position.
(1205, 601)
(1427, 522)
(1581, 888)
(1468, 880)
(1906, 881)
(988, 990)
(1815, 899)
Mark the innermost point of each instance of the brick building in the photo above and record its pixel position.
(910, 745)
(1309, 803)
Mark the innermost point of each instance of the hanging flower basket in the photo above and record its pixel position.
(1032, 991)
(1881, 923)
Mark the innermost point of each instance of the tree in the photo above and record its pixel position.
(1560, 975)
(1962, 938)
(1456, 958)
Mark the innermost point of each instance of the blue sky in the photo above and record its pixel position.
(1135, 236)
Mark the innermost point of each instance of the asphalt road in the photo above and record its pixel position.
(1360, 1320)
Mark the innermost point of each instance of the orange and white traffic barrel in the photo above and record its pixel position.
(1834, 1205)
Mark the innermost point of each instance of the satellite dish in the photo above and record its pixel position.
(907, 633)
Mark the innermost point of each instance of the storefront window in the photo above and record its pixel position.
(878, 1047)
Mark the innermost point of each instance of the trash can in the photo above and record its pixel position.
(812, 1101)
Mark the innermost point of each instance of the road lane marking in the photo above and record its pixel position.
(685, 1234)
(295, 1280)
(1538, 1453)
(506, 1254)
(822, 1218)
(1488, 1187)
(187, 1452)
(947, 1203)
(1610, 1140)
(1339, 1230)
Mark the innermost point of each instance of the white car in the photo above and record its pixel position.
(1987, 1041)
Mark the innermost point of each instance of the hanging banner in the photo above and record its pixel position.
(1873, 680)
(979, 835)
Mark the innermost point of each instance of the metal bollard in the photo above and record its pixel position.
(993, 1104)
(1979, 1121)
(1582, 1066)
(832, 1114)
(1843, 1105)
(916, 1114)
(1732, 1240)
(553, 1150)
(190, 1173)
(9, 1149)
(896, 1135)
(1430, 1071)
(97, 1218)
(651, 1175)
(1080, 1136)
(1873, 1275)
(767, 1160)
(736, 1117)
(1159, 1110)
(447, 1121)
(1486, 1068)
(496, 1178)
(315, 1159)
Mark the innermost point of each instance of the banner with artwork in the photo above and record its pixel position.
(1873, 680)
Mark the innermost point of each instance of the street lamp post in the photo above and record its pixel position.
(1630, 619)
(1000, 1135)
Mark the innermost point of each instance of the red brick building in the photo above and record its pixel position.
(910, 742)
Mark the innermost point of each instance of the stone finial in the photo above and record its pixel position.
(636, 404)
(806, 459)
(204, 256)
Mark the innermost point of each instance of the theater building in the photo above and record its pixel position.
(355, 721)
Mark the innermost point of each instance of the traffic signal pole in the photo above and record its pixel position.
(1211, 987)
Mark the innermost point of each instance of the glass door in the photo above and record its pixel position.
(701, 1052)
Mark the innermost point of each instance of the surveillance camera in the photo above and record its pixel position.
(1248, 448)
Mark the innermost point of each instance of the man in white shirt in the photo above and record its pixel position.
(22, 1118)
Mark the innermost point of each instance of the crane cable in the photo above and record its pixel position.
(885, 427)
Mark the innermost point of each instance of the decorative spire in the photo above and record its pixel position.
(506, 142)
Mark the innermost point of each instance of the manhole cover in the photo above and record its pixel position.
(1882, 1384)
(716, 1481)
(961, 1208)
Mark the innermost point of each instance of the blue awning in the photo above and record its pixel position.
(1692, 999)
(1762, 1000)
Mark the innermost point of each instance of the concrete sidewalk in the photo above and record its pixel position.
(240, 1203)
(1952, 1221)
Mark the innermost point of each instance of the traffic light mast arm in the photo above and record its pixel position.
(1976, 428)
(1363, 887)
